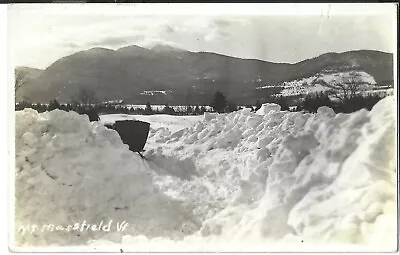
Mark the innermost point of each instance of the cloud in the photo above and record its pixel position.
(221, 29)
(221, 23)
(217, 35)
(115, 41)
(207, 27)
(224, 28)
(70, 45)
(151, 42)
(39, 35)
(168, 29)
(230, 22)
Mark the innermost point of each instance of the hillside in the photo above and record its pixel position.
(132, 73)
(27, 73)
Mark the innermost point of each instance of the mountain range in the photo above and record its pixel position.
(164, 74)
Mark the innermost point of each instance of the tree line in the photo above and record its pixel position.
(219, 103)
(346, 103)
(112, 109)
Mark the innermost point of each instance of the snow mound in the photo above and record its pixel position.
(321, 178)
(267, 108)
(69, 170)
(231, 182)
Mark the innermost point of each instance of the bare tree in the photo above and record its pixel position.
(19, 81)
(85, 97)
(346, 89)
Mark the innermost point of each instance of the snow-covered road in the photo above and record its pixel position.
(243, 181)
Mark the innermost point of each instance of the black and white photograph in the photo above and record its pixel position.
(200, 127)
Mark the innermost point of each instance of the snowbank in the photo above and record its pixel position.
(239, 181)
(320, 178)
(69, 170)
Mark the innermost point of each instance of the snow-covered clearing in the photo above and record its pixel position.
(243, 181)
(161, 107)
(313, 84)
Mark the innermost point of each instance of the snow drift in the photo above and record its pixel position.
(238, 181)
(69, 170)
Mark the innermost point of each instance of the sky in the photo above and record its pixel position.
(39, 34)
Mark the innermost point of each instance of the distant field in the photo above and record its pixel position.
(160, 107)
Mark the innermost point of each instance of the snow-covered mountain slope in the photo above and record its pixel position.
(271, 180)
(324, 81)
(341, 77)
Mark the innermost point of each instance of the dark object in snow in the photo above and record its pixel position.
(93, 116)
(133, 133)
(91, 112)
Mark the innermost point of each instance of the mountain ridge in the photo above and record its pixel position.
(190, 76)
